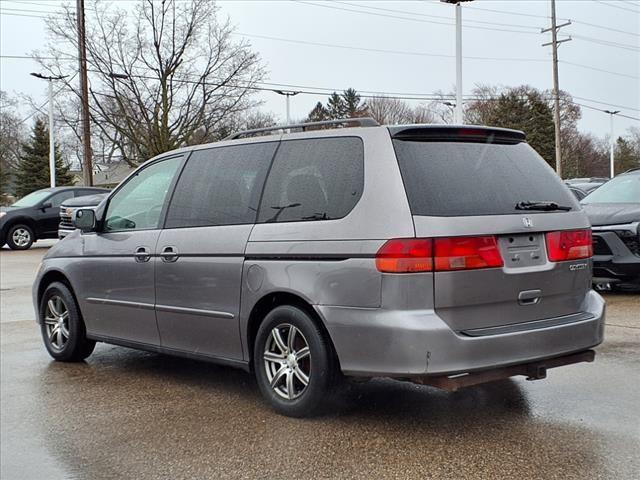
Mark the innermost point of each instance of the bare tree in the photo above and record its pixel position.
(158, 73)
(390, 111)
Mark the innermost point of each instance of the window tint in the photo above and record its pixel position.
(57, 199)
(138, 204)
(221, 186)
(458, 179)
(314, 179)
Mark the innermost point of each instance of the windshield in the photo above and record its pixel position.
(621, 189)
(465, 179)
(32, 199)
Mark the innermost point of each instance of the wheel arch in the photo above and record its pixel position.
(276, 299)
(28, 221)
(47, 279)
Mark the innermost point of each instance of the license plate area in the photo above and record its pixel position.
(523, 250)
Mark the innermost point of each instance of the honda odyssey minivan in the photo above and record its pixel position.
(443, 255)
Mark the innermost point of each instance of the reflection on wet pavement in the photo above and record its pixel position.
(129, 414)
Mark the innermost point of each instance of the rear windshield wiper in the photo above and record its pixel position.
(543, 206)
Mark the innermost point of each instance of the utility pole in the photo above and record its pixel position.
(288, 95)
(556, 88)
(612, 143)
(458, 112)
(52, 144)
(87, 167)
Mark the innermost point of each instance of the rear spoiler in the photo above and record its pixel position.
(472, 134)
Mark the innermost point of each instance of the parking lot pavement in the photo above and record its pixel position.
(129, 414)
(17, 270)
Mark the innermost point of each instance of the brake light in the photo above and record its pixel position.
(467, 253)
(405, 255)
(569, 245)
(410, 255)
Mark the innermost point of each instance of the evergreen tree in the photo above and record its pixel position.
(626, 157)
(319, 113)
(353, 107)
(336, 107)
(522, 108)
(33, 170)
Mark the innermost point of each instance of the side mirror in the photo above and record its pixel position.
(46, 205)
(85, 220)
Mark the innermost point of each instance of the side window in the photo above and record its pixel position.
(221, 186)
(138, 204)
(57, 199)
(314, 179)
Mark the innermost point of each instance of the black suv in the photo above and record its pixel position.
(614, 213)
(36, 216)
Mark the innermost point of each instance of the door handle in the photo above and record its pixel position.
(142, 254)
(529, 297)
(169, 254)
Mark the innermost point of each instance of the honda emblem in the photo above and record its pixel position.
(527, 222)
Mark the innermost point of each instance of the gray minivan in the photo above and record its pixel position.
(442, 255)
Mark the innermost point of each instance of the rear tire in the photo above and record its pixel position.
(293, 361)
(20, 237)
(61, 325)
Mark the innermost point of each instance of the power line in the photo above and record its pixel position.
(579, 22)
(617, 6)
(607, 43)
(434, 16)
(625, 107)
(599, 69)
(45, 103)
(377, 50)
(334, 7)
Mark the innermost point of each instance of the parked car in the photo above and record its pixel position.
(441, 255)
(586, 185)
(614, 212)
(36, 216)
(68, 208)
(577, 192)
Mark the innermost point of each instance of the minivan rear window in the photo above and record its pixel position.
(467, 179)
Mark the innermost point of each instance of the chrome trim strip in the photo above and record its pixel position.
(632, 227)
(194, 311)
(122, 303)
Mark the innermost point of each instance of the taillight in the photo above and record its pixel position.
(467, 253)
(408, 255)
(569, 245)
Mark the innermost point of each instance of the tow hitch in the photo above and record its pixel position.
(533, 371)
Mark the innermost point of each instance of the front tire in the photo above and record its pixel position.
(20, 237)
(61, 325)
(293, 362)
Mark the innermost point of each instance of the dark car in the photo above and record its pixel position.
(36, 216)
(68, 207)
(614, 212)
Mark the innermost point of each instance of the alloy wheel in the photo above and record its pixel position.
(287, 361)
(21, 237)
(56, 320)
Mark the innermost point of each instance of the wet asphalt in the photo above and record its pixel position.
(127, 414)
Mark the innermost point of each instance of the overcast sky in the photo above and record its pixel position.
(404, 47)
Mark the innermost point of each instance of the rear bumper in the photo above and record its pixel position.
(417, 343)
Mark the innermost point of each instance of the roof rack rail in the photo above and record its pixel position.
(353, 122)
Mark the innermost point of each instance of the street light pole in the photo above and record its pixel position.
(612, 143)
(288, 102)
(459, 110)
(52, 145)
